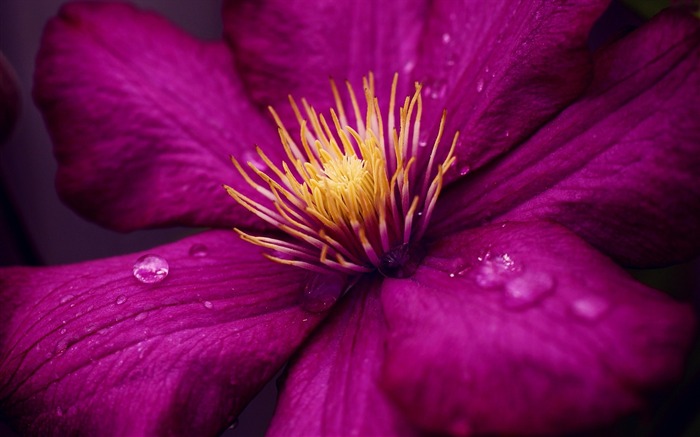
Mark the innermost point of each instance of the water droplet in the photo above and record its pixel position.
(62, 331)
(208, 305)
(527, 290)
(590, 308)
(463, 170)
(480, 86)
(446, 38)
(141, 316)
(422, 143)
(437, 90)
(151, 269)
(120, 299)
(198, 250)
(321, 292)
(90, 328)
(66, 298)
(507, 133)
(495, 270)
(408, 67)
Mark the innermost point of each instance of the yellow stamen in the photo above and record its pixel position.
(347, 195)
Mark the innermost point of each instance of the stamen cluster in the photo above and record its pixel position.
(347, 196)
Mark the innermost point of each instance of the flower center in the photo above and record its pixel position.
(351, 198)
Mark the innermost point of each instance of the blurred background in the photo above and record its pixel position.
(37, 229)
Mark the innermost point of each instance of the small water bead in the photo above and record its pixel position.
(463, 170)
(321, 292)
(494, 270)
(527, 290)
(151, 269)
(140, 316)
(120, 299)
(480, 85)
(66, 298)
(446, 38)
(208, 305)
(62, 331)
(198, 251)
(590, 308)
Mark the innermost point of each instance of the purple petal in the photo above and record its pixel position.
(331, 388)
(503, 70)
(88, 349)
(144, 118)
(522, 326)
(293, 47)
(621, 165)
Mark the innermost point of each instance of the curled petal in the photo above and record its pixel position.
(523, 326)
(503, 70)
(621, 166)
(88, 349)
(144, 118)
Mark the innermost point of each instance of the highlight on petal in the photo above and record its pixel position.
(143, 118)
(332, 386)
(523, 326)
(88, 349)
(292, 47)
(502, 71)
(620, 166)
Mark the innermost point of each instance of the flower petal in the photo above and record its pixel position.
(331, 388)
(88, 349)
(522, 326)
(293, 47)
(503, 70)
(144, 119)
(621, 166)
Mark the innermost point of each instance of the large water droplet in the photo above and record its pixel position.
(321, 292)
(527, 290)
(198, 250)
(151, 269)
(120, 299)
(591, 308)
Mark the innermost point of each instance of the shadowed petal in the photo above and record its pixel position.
(503, 70)
(144, 119)
(509, 317)
(331, 388)
(88, 349)
(293, 47)
(621, 166)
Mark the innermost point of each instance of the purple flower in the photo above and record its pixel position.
(505, 312)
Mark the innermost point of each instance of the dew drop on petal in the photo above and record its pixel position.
(446, 38)
(198, 250)
(141, 316)
(120, 299)
(66, 298)
(591, 308)
(61, 347)
(527, 290)
(495, 270)
(151, 269)
(208, 305)
(62, 331)
(463, 170)
(321, 292)
(480, 86)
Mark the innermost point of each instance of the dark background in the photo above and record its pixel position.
(37, 229)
